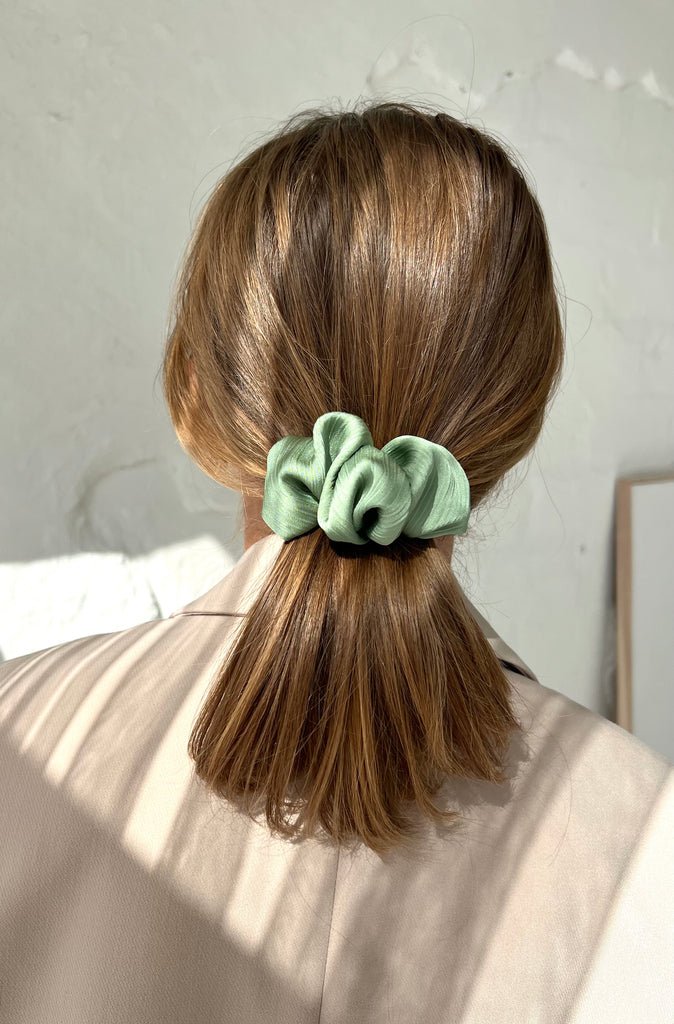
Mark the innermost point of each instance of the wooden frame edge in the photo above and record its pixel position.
(624, 603)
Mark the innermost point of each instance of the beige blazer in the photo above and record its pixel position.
(130, 895)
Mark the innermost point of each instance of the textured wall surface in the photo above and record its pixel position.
(117, 120)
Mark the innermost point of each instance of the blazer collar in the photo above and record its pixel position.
(236, 592)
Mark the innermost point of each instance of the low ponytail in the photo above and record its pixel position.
(360, 676)
(391, 263)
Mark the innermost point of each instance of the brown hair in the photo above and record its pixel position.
(390, 262)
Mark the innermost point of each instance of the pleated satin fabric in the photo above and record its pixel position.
(337, 480)
(128, 895)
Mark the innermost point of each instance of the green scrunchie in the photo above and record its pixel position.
(355, 492)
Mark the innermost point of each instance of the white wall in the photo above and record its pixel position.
(117, 120)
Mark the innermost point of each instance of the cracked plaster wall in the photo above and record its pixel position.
(117, 121)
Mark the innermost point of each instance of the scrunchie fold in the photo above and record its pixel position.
(357, 493)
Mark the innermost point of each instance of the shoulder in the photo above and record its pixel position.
(544, 711)
(607, 799)
(129, 672)
(47, 657)
(610, 776)
(41, 677)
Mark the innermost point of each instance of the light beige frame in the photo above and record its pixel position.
(623, 498)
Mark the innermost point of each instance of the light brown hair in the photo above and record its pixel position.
(389, 261)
